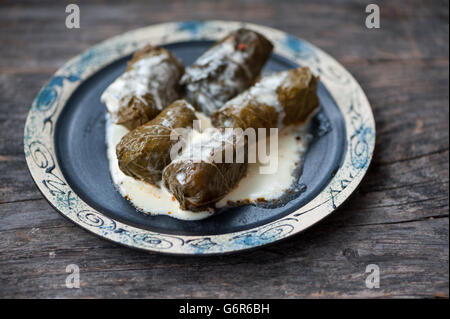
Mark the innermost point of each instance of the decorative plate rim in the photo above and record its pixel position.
(39, 146)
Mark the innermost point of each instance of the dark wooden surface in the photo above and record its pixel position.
(398, 219)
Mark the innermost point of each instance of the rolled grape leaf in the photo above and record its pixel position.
(226, 69)
(150, 83)
(275, 101)
(201, 175)
(144, 152)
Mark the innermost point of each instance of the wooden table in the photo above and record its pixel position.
(397, 220)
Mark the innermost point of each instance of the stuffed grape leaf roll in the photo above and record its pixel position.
(226, 69)
(275, 101)
(144, 152)
(201, 175)
(149, 84)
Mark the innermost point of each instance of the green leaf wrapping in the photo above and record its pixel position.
(296, 94)
(161, 88)
(144, 152)
(229, 67)
(198, 182)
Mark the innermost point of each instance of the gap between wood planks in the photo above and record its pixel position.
(22, 200)
(404, 221)
(345, 61)
(412, 158)
(337, 225)
(422, 183)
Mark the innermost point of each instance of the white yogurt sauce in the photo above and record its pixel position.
(254, 187)
(292, 144)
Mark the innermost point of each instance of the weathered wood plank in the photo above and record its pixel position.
(398, 219)
(416, 30)
(328, 261)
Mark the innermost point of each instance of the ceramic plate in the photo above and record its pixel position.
(65, 149)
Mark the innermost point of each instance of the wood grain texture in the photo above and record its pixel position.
(398, 218)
